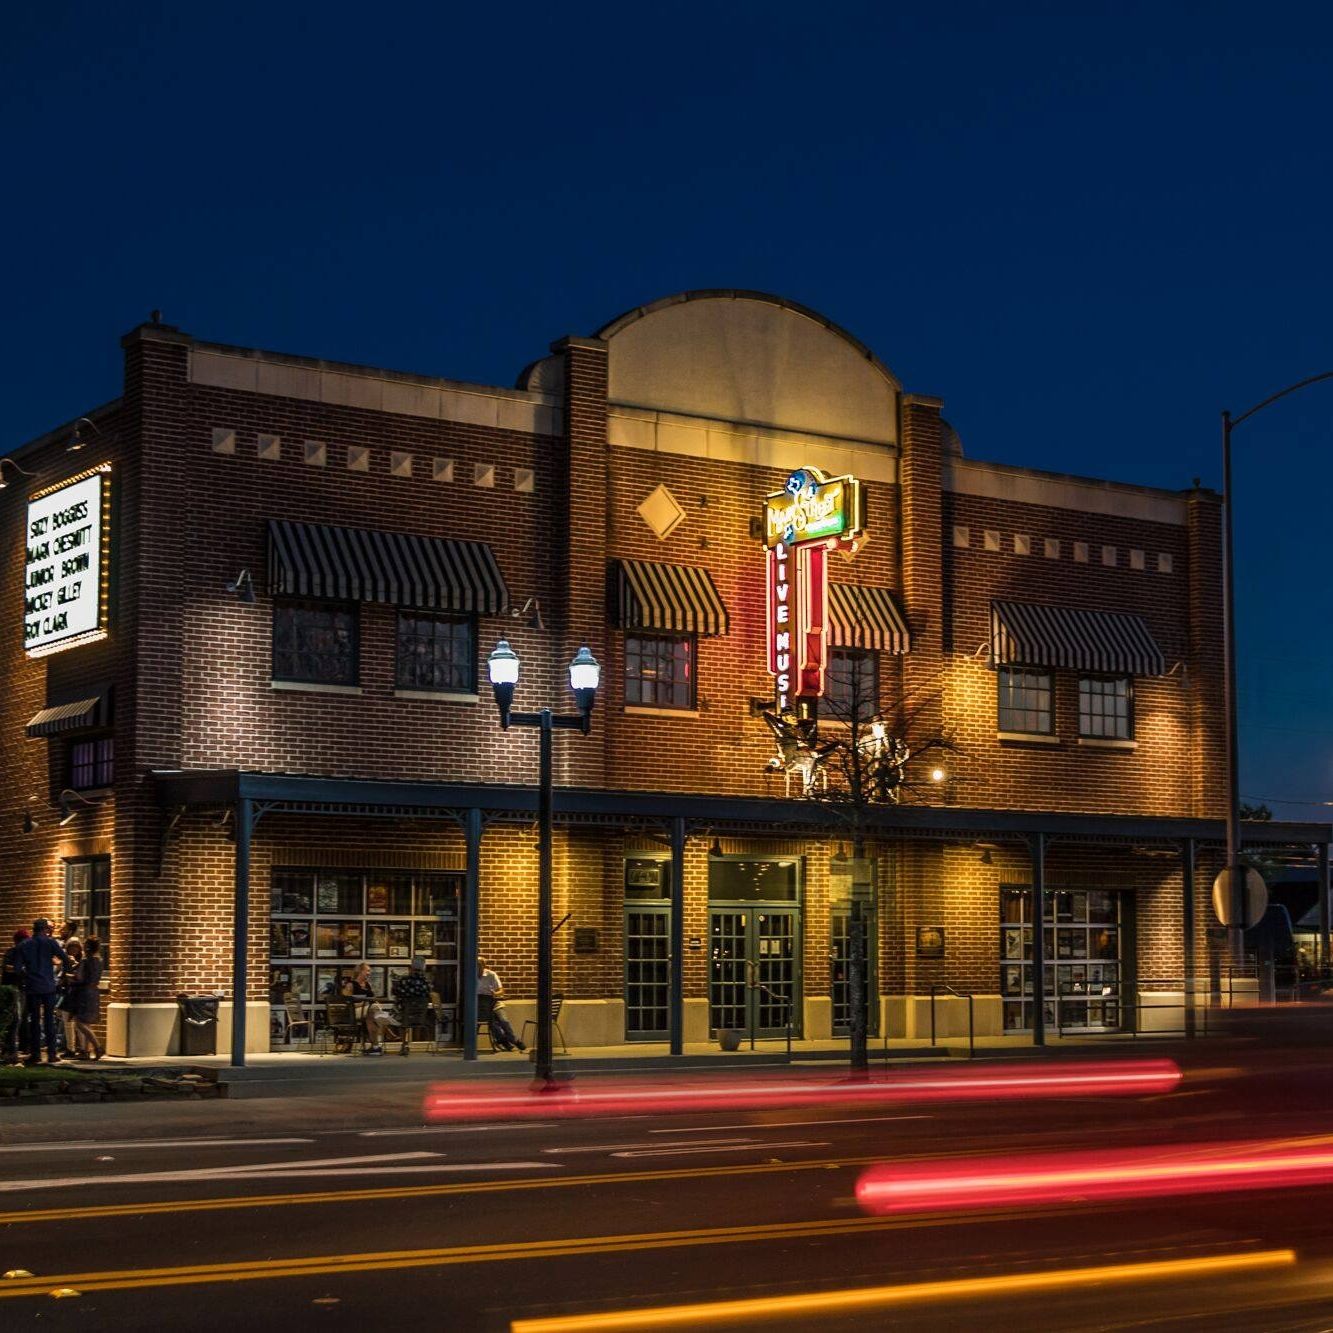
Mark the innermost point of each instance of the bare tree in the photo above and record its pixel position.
(855, 756)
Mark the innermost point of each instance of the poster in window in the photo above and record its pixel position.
(280, 940)
(326, 895)
(1012, 980)
(326, 939)
(377, 899)
(326, 981)
(299, 937)
(424, 938)
(377, 940)
(1013, 946)
(400, 940)
(349, 942)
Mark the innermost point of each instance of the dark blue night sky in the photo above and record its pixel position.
(1088, 231)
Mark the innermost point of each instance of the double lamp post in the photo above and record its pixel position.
(584, 677)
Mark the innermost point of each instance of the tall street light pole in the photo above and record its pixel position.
(584, 677)
(1235, 874)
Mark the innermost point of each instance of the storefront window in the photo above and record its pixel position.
(1106, 708)
(436, 653)
(314, 642)
(1025, 701)
(659, 671)
(88, 900)
(851, 685)
(1082, 941)
(324, 923)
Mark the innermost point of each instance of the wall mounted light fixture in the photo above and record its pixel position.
(79, 440)
(532, 608)
(243, 586)
(22, 471)
(69, 811)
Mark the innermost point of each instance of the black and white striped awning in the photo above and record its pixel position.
(396, 568)
(88, 713)
(678, 599)
(866, 618)
(1114, 642)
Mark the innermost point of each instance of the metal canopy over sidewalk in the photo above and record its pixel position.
(677, 814)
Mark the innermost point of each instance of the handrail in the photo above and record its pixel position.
(936, 986)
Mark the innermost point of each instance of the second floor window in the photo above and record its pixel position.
(91, 763)
(1025, 701)
(1106, 708)
(436, 653)
(659, 671)
(314, 642)
(851, 686)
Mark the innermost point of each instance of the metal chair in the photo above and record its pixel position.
(296, 1018)
(557, 1003)
(342, 1025)
(485, 1012)
(414, 1014)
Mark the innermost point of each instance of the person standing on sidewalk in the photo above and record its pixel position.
(11, 999)
(85, 999)
(37, 957)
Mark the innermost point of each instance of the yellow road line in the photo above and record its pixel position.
(308, 1199)
(502, 1252)
(712, 1313)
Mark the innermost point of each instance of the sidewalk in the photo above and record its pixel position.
(300, 1072)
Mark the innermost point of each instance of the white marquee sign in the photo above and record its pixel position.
(64, 583)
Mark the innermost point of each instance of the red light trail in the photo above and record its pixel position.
(604, 1096)
(1082, 1177)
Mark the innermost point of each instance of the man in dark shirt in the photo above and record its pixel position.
(37, 958)
(12, 1026)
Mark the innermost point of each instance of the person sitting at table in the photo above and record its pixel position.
(502, 1031)
(377, 1019)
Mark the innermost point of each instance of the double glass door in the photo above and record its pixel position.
(754, 975)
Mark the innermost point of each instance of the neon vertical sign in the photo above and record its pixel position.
(811, 516)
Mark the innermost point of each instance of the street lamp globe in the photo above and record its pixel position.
(503, 664)
(585, 674)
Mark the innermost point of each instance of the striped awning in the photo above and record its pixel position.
(1025, 634)
(86, 714)
(677, 599)
(396, 568)
(866, 618)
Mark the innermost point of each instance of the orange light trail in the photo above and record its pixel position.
(763, 1308)
(1110, 1174)
(604, 1096)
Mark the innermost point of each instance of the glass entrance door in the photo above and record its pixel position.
(647, 971)
(754, 977)
(840, 959)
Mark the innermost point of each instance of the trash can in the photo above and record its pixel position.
(199, 1024)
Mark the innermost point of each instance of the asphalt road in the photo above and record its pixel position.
(296, 1214)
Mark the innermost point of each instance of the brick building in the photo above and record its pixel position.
(260, 593)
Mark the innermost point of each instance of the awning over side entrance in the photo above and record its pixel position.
(84, 714)
(866, 618)
(680, 599)
(1027, 634)
(395, 568)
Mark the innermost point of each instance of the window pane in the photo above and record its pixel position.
(436, 653)
(659, 671)
(1104, 709)
(1024, 700)
(88, 901)
(315, 642)
(852, 685)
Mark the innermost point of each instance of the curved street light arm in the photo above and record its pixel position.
(1281, 393)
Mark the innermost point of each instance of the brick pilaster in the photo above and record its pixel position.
(582, 494)
(1207, 685)
(921, 485)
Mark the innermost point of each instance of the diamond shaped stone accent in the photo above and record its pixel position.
(661, 513)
